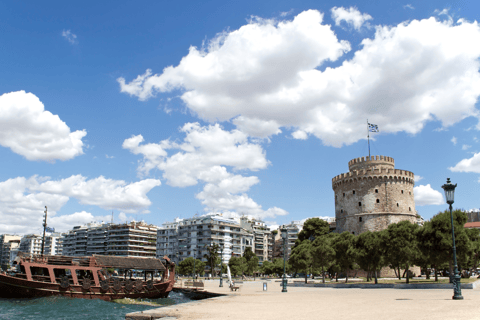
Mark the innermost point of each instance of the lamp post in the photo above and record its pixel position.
(449, 195)
(284, 237)
(221, 265)
(193, 276)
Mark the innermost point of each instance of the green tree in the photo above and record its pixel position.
(401, 245)
(251, 260)
(267, 267)
(301, 258)
(212, 256)
(370, 252)
(474, 236)
(437, 235)
(345, 252)
(185, 267)
(237, 265)
(278, 266)
(313, 227)
(323, 252)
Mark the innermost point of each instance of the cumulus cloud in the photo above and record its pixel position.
(22, 200)
(466, 147)
(207, 155)
(468, 165)
(31, 131)
(454, 141)
(418, 178)
(65, 222)
(269, 73)
(351, 16)
(69, 36)
(426, 195)
(409, 6)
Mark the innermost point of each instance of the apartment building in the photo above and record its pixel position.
(133, 239)
(293, 228)
(53, 244)
(167, 240)
(5, 239)
(196, 234)
(31, 243)
(262, 238)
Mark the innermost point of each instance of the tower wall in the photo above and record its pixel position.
(373, 195)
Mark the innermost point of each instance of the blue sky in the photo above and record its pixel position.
(167, 109)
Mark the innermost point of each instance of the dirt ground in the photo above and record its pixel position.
(251, 302)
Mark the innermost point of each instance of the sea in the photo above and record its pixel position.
(62, 308)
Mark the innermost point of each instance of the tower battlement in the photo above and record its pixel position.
(372, 161)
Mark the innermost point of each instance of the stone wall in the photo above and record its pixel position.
(373, 195)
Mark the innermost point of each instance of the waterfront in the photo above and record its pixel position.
(61, 308)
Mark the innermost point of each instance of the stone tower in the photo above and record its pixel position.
(372, 195)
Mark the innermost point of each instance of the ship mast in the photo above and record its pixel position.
(44, 229)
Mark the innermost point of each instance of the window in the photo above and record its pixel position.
(360, 219)
(359, 204)
(376, 190)
(335, 197)
(353, 191)
(409, 209)
(344, 194)
(397, 204)
(410, 193)
(402, 191)
(341, 211)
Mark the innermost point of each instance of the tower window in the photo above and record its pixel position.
(341, 211)
(402, 191)
(410, 192)
(359, 204)
(344, 194)
(409, 209)
(353, 191)
(335, 197)
(397, 204)
(378, 200)
(376, 190)
(360, 219)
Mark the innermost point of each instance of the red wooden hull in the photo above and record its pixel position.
(13, 287)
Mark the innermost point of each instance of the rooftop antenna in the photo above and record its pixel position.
(112, 216)
(44, 229)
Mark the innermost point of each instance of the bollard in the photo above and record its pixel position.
(264, 286)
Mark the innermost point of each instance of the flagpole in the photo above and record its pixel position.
(368, 138)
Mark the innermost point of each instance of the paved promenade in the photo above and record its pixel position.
(251, 302)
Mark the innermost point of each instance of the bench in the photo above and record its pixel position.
(199, 285)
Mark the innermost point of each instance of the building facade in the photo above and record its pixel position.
(31, 243)
(372, 195)
(5, 247)
(133, 239)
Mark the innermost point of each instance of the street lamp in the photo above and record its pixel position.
(284, 237)
(193, 276)
(221, 265)
(449, 195)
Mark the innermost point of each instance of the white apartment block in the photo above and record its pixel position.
(133, 239)
(5, 247)
(31, 243)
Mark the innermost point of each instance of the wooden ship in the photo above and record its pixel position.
(86, 277)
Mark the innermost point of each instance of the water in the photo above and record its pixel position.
(62, 308)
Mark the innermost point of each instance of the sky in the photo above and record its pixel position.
(165, 109)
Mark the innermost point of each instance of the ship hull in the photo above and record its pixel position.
(13, 287)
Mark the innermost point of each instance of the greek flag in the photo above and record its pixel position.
(48, 229)
(372, 127)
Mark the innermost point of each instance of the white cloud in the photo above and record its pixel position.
(109, 157)
(468, 165)
(72, 38)
(22, 200)
(403, 77)
(425, 195)
(466, 147)
(31, 131)
(204, 156)
(408, 6)
(454, 141)
(351, 16)
(66, 222)
(124, 218)
(418, 178)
